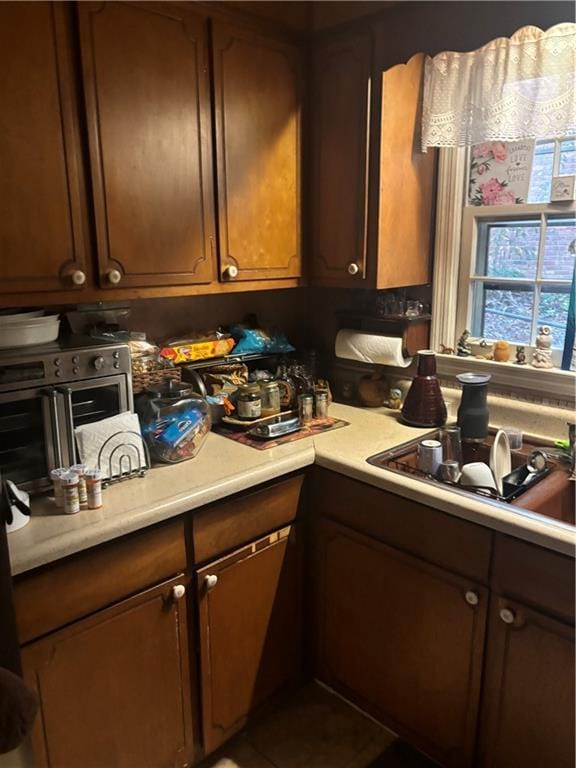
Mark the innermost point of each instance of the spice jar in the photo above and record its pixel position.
(305, 408)
(94, 488)
(56, 477)
(80, 469)
(321, 403)
(249, 402)
(270, 397)
(70, 483)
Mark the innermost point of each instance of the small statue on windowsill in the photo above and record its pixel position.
(395, 399)
(463, 348)
(542, 355)
(520, 355)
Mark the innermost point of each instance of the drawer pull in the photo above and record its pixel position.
(78, 277)
(210, 580)
(353, 268)
(471, 597)
(114, 276)
(507, 616)
(178, 592)
(230, 272)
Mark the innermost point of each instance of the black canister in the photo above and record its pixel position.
(473, 415)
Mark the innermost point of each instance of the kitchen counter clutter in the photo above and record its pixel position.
(224, 468)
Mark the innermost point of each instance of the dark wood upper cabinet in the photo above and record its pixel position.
(528, 708)
(146, 84)
(115, 687)
(401, 638)
(250, 631)
(372, 187)
(42, 226)
(258, 104)
(339, 160)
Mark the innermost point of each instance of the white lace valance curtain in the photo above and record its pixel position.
(516, 88)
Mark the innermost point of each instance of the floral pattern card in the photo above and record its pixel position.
(500, 172)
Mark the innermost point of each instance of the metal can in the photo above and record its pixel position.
(249, 402)
(321, 404)
(270, 394)
(305, 408)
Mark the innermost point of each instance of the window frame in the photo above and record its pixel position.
(472, 216)
(452, 196)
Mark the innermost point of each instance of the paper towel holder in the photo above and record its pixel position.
(414, 331)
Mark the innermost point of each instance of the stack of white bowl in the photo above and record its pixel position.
(24, 329)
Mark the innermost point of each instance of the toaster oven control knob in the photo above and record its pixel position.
(114, 276)
(57, 361)
(231, 272)
(57, 373)
(78, 277)
(75, 360)
(75, 370)
(98, 363)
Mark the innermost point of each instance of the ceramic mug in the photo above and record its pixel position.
(429, 456)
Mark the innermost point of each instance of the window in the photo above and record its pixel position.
(517, 257)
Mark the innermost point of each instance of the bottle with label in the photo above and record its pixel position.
(287, 387)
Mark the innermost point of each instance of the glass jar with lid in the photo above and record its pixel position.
(175, 421)
(249, 402)
(270, 394)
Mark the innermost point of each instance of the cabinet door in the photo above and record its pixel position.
(146, 86)
(42, 226)
(402, 638)
(528, 706)
(258, 102)
(407, 175)
(250, 631)
(340, 120)
(115, 688)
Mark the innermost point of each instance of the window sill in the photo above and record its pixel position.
(552, 382)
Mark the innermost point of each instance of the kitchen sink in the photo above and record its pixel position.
(551, 494)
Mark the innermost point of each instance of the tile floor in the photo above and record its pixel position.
(313, 729)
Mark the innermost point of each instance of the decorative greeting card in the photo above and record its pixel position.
(500, 172)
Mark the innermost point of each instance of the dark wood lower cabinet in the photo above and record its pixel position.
(115, 687)
(401, 638)
(528, 708)
(250, 631)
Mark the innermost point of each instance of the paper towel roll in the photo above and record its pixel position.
(371, 348)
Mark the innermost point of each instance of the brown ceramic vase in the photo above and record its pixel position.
(424, 405)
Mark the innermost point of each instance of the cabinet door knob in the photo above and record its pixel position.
(114, 276)
(78, 277)
(231, 272)
(471, 597)
(178, 591)
(210, 580)
(353, 268)
(507, 616)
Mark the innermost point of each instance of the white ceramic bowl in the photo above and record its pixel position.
(479, 474)
(30, 333)
(20, 317)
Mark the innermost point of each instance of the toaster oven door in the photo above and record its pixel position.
(30, 444)
(83, 402)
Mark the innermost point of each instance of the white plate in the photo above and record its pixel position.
(500, 458)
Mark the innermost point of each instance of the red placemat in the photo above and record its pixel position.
(315, 427)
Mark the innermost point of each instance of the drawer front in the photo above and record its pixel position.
(79, 585)
(536, 576)
(226, 526)
(435, 536)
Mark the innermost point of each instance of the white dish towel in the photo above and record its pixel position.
(91, 437)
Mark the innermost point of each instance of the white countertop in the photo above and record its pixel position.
(224, 467)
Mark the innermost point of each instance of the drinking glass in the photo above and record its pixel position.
(451, 440)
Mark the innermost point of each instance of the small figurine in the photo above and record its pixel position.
(444, 350)
(542, 355)
(395, 399)
(501, 351)
(463, 349)
(520, 355)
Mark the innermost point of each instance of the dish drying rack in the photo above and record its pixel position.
(135, 457)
